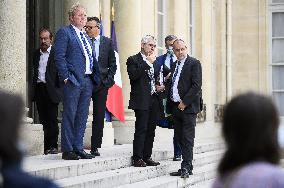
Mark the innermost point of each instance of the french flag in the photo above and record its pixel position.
(114, 101)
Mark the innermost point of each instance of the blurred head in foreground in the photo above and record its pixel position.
(249, 127)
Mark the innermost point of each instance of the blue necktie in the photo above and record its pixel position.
(171, 60)
(173, 80)
(87, 50)
(94, 47)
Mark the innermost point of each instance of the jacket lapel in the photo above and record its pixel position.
(77, 38)
(101, 48)
(186, 63)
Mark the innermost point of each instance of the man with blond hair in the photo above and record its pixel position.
(79, 73)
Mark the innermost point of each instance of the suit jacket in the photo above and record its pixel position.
(160, 61)
(107, 62)
(140, 95)
(70, 58)
(189, 85)
(51, 76)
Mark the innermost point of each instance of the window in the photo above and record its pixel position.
(161, 26)
(277, 55)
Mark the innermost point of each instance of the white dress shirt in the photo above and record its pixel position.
(176, 97)
(42, 65)
(88, 69)
(150, 73)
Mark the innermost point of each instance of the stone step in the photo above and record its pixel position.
(52, 166)
(200, 175)
(131, 175)
(205, 184)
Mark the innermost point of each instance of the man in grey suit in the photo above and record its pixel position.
(78, 71)
(105, 56)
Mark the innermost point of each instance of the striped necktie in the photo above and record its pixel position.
(174, 79)
(87, 50)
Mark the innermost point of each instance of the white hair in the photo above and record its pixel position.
(146, 39)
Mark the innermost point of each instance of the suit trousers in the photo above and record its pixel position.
(47, 111)
(145, 126)
(99, 98)
(76, 102)
(184, 130)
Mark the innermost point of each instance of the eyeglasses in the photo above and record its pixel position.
(91, 27)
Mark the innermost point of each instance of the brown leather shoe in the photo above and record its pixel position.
(150, 162)
(139, 163)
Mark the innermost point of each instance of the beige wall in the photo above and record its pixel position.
(249, 57)
(13, 46)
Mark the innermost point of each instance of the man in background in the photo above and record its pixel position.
(104, 53)
(163, 67)
(47, 93)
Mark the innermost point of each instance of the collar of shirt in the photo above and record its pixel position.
(77, 30)
(97, 38)
(182, 61)
(168, 59)
(47, 51)
(145, 59)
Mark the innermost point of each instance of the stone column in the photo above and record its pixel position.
(207, 58)
(13, 65)
(13, 46)
(92, 7)
(129, 31)
(181, 13)
(106, 16)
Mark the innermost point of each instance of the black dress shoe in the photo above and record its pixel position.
(84, 155)
(178, 173)
(70, 156)
(139, 163)
(95, 152)
(150, 162)
(50, 151)
(185, 173)
(177, 158)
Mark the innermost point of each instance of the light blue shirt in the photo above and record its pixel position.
(97, 46)
(176, 97)
(168, 60)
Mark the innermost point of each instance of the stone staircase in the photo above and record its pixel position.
(113, 168)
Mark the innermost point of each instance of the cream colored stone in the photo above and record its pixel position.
(150, 16)
(108, 135)
(106, 14)
(207, 63)
(13, 46)
(129, 31)
(31, 136)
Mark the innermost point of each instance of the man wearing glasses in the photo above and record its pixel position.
(144, 101)
(104, 53)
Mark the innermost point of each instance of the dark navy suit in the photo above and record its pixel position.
(71, 64)
(160, 62)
